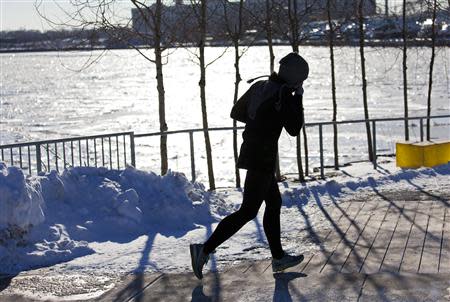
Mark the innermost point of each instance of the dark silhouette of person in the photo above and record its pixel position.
(266, 108)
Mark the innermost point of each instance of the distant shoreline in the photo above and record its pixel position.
(337, 43)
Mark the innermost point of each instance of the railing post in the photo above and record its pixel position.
(38, 158)
(64, 155)
(305, 145)
(56, 157)
(374, 146)
(29, 160)
(48, 157)
(79, 153)
(421, 129)
(95, 151)
(117, 152)
(132, 150)
(322, 175)
(110, 152)
(20, 157)
(87, 151)
(191, 144)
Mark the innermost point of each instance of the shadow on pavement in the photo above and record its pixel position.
(5, 281)
(199, 296)
(281, 292)
(138, 284)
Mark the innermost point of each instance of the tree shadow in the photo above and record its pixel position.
(5, 281)
(138, 284)
(429, 194)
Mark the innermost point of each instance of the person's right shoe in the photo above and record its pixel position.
(285, 262)
(198, 259)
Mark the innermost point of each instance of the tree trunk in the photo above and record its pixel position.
(269, 34)
(333, 86)
(160, 87)
(430, 82)
(305, 140)
(269, 4)
(405, 79)
(236, 36)
(301, 176)
(293, 25)
(363, 75)
(234, 32)
(202, 85)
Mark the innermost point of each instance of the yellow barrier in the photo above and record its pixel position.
(418, 154)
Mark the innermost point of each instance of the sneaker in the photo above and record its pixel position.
(198, 259)
(285, 262)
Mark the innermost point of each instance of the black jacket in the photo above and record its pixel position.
(266, 108)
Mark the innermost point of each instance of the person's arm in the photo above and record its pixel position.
(292, 110)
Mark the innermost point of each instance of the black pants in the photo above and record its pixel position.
(258, 186)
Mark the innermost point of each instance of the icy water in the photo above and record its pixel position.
(43, 96)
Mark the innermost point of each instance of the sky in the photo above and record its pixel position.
(22, 14)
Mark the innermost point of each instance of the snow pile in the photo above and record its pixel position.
(130, 200)
(20, 203)
(51, 218)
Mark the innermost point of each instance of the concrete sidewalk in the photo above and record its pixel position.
(253, 283)
(382, 246)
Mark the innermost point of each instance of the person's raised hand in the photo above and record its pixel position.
(299, 89)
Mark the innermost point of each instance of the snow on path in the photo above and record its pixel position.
(115, 222)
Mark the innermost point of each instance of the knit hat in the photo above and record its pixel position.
(293, 69)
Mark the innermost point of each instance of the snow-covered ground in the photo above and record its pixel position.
(115, 222)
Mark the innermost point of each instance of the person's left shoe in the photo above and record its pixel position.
(198, 259)
(287, 261)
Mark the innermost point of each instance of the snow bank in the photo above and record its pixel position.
(20, 202)
(51, 218)
(363, 178)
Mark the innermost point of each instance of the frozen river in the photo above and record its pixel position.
(43, 96)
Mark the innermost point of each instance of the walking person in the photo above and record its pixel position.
(265, 108)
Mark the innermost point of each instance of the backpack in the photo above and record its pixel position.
(239, 111)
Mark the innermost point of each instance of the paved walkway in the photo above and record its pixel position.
(390, 246)
(383, 246)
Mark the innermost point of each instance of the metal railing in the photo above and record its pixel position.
(106, 150)
(320, 126)
(374, 132)
(109, 150)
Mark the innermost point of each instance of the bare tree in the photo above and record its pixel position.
(430, 81)
(294, 16)
(363, 75)
(155, 21)
(405, 67)
(234, 29)
(333, 83)
(269, 33)
(100, 15)
(265, 16)
(200, 12)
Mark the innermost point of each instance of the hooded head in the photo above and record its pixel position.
(293, 69)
